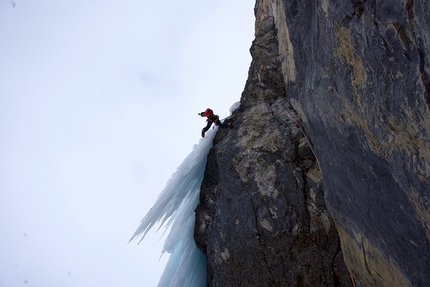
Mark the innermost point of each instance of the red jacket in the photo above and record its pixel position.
(210, 115)
(207, 113)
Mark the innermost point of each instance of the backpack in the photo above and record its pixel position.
(213, 118)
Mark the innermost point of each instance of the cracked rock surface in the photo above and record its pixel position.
(361, 89)
(352, 79)
(262, 219)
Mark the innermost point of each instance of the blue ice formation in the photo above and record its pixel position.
(175, 208)
(176, 204)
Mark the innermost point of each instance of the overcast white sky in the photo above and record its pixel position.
(98, 106)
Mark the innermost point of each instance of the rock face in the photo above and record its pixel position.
(352, 78)
(262, 220)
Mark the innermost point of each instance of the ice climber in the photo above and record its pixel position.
(212, 119)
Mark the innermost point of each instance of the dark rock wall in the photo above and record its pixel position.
(262, 219)
(361, 89)
(355, 76)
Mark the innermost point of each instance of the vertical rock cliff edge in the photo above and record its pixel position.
(326, 173)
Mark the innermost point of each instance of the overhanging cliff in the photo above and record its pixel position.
(352, 78)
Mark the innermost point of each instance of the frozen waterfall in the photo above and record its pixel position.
(176, 203)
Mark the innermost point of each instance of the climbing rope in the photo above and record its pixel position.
(352, 279)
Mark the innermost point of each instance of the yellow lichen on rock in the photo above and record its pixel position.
(369, 265)
(347, 52)
(286, 49)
